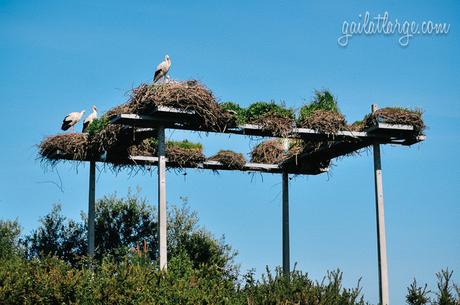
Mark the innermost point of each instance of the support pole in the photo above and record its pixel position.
(380, 215)
(286, 254)
(285, 216)
(162, 228)
(91, 207)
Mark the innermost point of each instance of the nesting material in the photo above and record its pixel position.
(324, 121)
(269, 152)
(277, 124)
(187, 95)
(356, 126)
(395, 115)
(271, 116)
(322, 114)
(74, 146)
(230, 159)
(184, 155)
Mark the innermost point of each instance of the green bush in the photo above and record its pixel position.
(9, 238)
(185, 144)
(259, 109)
(135, 280)
(121, 225)
(97, 126)
(323, 100)
(238, 111)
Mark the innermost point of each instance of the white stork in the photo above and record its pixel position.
(162, 69)
(89, 119)
(71, 119)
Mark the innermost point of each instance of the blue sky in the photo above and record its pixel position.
(57, 57)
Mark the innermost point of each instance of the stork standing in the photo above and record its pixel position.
(71, 119)
(162, 69)
(89, 119)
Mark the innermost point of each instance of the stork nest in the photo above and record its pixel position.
(73, 146)
(182, 154)
(187, 95)
(269, 152)
(324, 121)
(229, 159)
(395, 115)
(356, 126)
(277, 124)
(113, 139)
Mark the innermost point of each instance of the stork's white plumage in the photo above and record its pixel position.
(162, 69)
(89, 119)
(71, 119)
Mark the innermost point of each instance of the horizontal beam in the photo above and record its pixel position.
(186, 120)
(312, 169)
(215, 165)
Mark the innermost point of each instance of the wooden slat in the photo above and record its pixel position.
(383, 133)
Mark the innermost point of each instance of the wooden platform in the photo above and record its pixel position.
(186, 120)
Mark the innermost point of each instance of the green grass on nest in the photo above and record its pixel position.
(185, 145)
(260, 109)
(323, 100)
(97, 126)
(238, 112)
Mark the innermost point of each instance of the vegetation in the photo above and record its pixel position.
(238, 112)
(323, 100)
(185, 144)
(257, 111)
(9, 238)
(48, 266)
(260, 109)
(97, 126)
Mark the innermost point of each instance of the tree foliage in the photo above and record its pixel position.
(9, 238)
(124, 225)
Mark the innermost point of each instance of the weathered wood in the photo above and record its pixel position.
(177, 119)
(91, 207)
(162, 225)
(285, 221)
(380, 217)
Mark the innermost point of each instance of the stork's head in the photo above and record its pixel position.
(94, 108)
(167, 57)
(83, 111)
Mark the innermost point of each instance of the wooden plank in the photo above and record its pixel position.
(162, 226)
(285, 224)
(383, 132)
(91, 207)
(380, 217)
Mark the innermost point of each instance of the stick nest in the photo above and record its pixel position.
(74, 146)
(182, 154)
(324, 121)
(186, 95)
(395, 115)
(113, 139)
(269, 152)
(230, 159)
(277, 124)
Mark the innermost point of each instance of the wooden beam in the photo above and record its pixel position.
(91, 207)
(380, 217)
(384, 133)
(162, 225)
(285, 224)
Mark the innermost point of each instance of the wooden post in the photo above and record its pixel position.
(286, 250)
(162, 226)
(91, 207)
(285, 216)
(380, 215)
